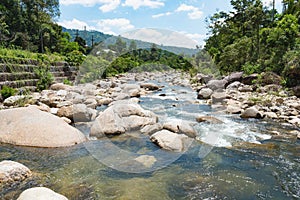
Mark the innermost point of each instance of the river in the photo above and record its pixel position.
(242, 161)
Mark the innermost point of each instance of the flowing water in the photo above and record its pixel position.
(234, 160)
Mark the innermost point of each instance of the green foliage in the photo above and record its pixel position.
(254, 38)
(141, 57)
(251, 69)
(67, 82)
(92, 68)
(75, 58)
(45, 78)
(7, 92)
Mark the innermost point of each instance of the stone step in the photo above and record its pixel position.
(19, 83)
(17, 76)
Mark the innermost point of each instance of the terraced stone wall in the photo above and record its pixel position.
(23, 75)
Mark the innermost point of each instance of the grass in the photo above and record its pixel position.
(17, 56)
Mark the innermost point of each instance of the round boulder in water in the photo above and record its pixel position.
(32, 127)
(41, 193)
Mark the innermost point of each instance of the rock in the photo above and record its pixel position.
(77, 113)
(270, 88)
(216, 84)
(59, 86)
(181, 127)
(234, 85)
(149, 86)
(134, 93)
(234, 109)
(218, 97)
(171, 141)
(89, 90)
(151, 129)
(249, 80)
(64, 103)
(134, 121)
(40, 193)
(120, 117)
(14, 100)
(235, 76)
(296, 91)
(32, 127)
(11, 172)
(268, 78)
(208, 119)
(62, 93)
(205, 93)
(75, 97)
(104, 101)
(204, 79)
(252, 112)
(91, 103)
(245, 88)
(271, 115)
(146, 160)
(120, 96)
(67, 120)
(295, 121)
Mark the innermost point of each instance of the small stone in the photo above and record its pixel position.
(205, 93)
(252, 112)
(151, 129)
(171, 141)
(271, 115)
(40, 193)
(146, 160)
(11, 172)
(234, 109)
(218, 97)
(209, 119)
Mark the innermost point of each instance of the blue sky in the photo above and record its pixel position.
(120, 16)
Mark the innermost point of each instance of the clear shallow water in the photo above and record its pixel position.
(270, 170)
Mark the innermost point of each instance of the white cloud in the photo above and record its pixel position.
(165, 37)
(136, 4)
(161, 15)
(114, 26)
(184, 7)
(110, 6)
(106, 5)
(198, 38)
(193, 12)
(75, 24)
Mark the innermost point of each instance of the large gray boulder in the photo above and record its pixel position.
(180, 126)
(205, 93)
(235, 76)
(252, 112)
(171, 141)
(32, 127)
(216, 84)
(11, 172)
(77, 113)
(120, 117)
(149, 86)
(40, 193)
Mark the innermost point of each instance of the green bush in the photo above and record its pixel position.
(75, 58)
(67, 82)
(45, 78)
(7, 92)
(251, 69)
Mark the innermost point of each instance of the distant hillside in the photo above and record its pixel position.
(110, 39)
